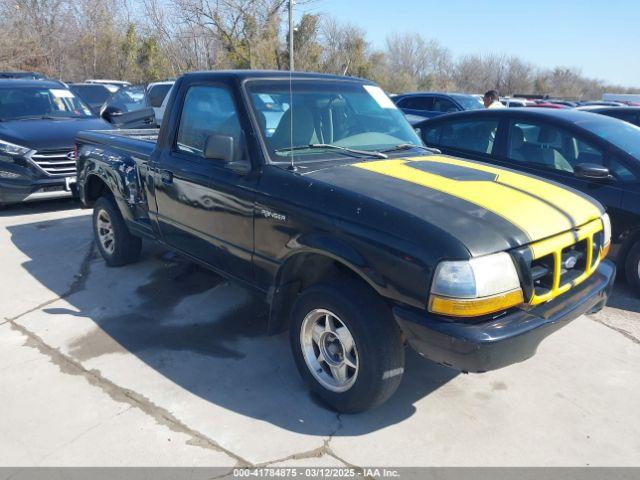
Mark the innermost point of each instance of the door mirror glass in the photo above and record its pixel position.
(219, 147)
(592, 171)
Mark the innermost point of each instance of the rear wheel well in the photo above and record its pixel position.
(298, 273)
(95, 188)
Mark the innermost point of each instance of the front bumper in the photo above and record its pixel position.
(33, 189)
(483, 346)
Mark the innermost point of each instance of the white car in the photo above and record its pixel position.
(157, 94)
(515, 102)
(160, 111)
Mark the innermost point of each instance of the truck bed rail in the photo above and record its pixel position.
(147, 134)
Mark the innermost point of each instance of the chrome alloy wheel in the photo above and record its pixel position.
(105, 231)
(329, 350)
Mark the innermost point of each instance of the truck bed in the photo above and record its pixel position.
(141, 142)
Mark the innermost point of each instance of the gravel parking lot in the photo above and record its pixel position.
(164, 363)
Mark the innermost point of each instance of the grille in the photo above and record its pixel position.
(56, 163)
(562, 262)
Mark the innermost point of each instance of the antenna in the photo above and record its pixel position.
(292, 166)
(291, 2)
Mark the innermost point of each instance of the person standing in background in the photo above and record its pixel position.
(491, 99)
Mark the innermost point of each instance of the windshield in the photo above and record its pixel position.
(623, 135)
(469, 102)
(36, 102)
(334, 113)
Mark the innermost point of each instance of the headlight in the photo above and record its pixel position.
(606, 232)
(12, 149)
(475, 287)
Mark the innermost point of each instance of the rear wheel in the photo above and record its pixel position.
(116, 244)
(632, 266)
(346, 345)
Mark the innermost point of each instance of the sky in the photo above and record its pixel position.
(601, 38)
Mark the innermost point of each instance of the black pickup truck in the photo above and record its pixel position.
(316, 192)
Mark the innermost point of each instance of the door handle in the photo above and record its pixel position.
(166, 176)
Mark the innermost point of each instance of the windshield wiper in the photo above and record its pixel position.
(408, 146)
(328, 146)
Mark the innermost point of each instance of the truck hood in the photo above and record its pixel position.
(48, 134)
(486, 208)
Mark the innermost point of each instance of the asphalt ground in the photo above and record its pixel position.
(163, 363)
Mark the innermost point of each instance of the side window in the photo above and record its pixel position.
(548, 146)
(431, 135)
(444, 105)
(585, 153)
(208, 110)
(417, 103)
(472, 135)
(621, 172)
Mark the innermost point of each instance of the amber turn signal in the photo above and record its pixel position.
(474, 307)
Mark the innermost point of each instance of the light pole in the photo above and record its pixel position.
(291, 2)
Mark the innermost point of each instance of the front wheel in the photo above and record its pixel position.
(116, 244)
(346, 345)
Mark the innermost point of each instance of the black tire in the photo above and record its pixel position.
(377, 337)
(125, 247)
(631, 265)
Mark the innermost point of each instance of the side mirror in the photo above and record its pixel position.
(219, 147)
(592, 171)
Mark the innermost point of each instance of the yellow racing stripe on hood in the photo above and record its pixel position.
(538, 208)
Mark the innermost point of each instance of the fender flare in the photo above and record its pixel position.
(287, 285)
(118, 173)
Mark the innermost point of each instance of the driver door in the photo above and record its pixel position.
(205, 206)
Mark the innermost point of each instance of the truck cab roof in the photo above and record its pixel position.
(253, 74)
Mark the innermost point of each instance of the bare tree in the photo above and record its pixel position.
(418, 63)
(345, 49)
(144, 40)
(307, 47)
(38, 24)
(247, 30)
